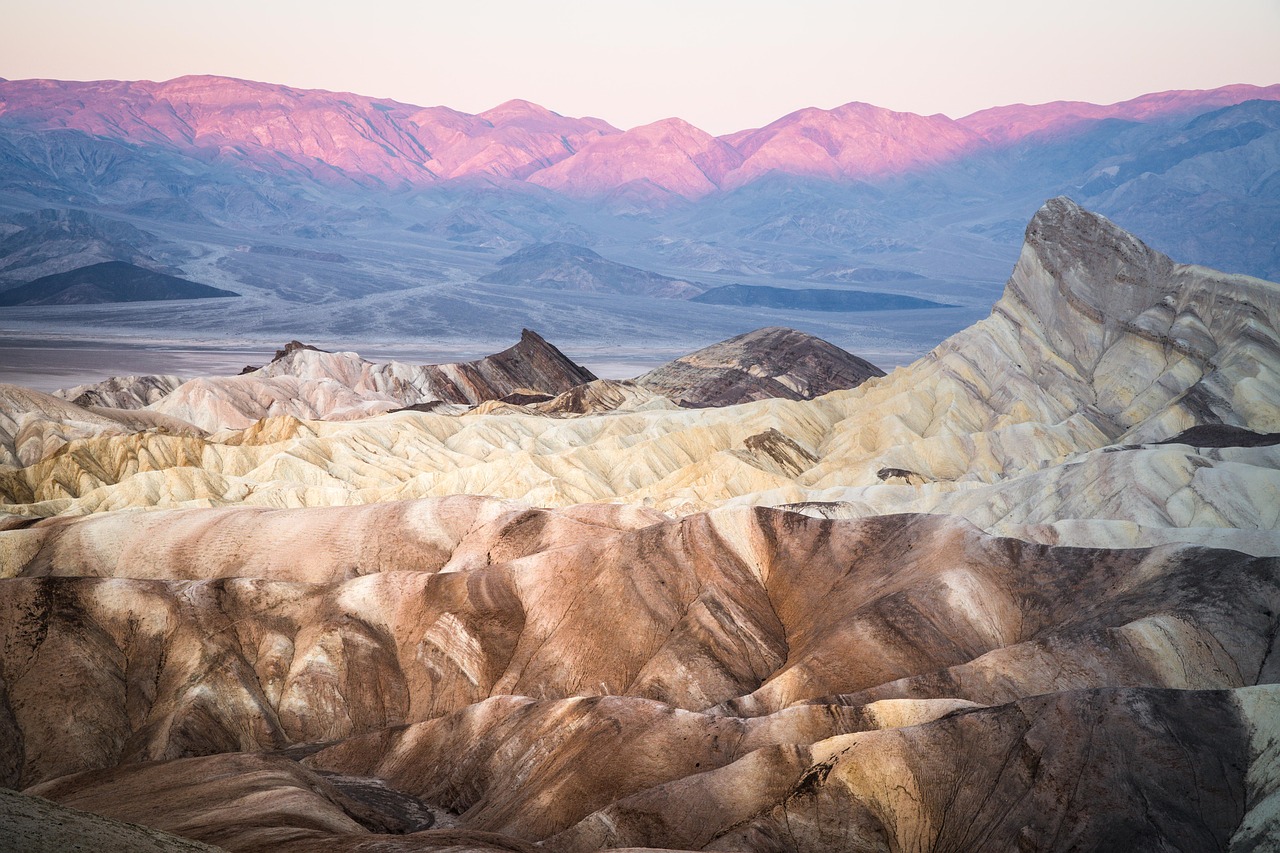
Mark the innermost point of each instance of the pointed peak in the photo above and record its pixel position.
(1060, 216)
(535, 351)
(1076, 263)
(672, 124)
(518, 107)
(292, 347)
(1062, 233)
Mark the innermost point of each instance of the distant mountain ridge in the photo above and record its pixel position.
(326, 135)
(561, 266)
(343, 137)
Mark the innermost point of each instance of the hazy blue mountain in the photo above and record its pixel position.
(560, 266)
(112, 281)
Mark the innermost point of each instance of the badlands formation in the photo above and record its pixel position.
(1022, 594)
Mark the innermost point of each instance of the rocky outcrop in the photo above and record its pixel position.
(35, 426)
(767, 363)
(304, 382)
(602, 395)
(122, 392)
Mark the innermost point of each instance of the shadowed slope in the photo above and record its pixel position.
(805, 632)
(350, 622)
(35, 825)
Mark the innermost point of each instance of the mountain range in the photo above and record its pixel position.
(340, 136)
(348, 220)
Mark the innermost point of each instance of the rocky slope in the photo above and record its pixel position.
(672, 155)
(122, 392)
(304, 382)
(1023, 594)
(45, 242)
(35, 825)
(1018, 121)
(778, 635)
(35, 426)
(760, 365)
(849, 142)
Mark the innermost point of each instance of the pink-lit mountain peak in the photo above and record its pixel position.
(855, 140)
(671, 154)
(528, 116)
(671, 130)
(512, 140)
(522, 113)
(849, 120)
(204, 93)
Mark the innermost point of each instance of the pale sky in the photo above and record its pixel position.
(723, 65)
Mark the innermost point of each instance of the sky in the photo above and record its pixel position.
(721, 65)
